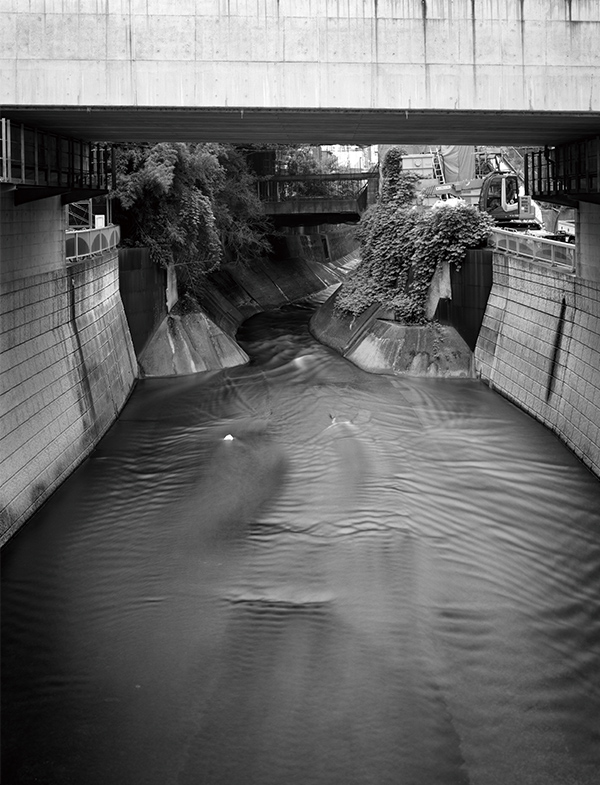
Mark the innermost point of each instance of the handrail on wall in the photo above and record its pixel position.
(537, 249)
(83, 243)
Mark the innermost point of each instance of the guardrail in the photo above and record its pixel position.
(537, 249)
(564, 173)
(82, 243)
(281, 188)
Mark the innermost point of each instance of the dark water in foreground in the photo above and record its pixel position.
(378, 580)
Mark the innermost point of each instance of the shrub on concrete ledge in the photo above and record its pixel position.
(401, 248)
(386, 234)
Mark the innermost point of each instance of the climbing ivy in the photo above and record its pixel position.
(401, 248)
(386, 235)
(396, 184)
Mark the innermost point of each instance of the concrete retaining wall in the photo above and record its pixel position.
(32, 237)
(538, 346)
(189, 343)
(67, 361)
(302, 265)
(471, 286)
(588, 241)
(143, 287)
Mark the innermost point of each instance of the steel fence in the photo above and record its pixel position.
(536, 249)
(82, 243)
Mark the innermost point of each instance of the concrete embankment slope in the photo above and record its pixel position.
(380, 345)
(193, 339)
(189, 342)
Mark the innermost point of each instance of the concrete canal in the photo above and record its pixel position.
(297, 572)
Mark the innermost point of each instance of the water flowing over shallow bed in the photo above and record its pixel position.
(376, 580)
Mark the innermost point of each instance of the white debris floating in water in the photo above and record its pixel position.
(228, 438)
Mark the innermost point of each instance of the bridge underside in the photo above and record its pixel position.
(316, 126)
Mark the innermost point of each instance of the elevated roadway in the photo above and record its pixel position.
(518, 72)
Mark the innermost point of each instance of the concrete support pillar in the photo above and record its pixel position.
(32, 238)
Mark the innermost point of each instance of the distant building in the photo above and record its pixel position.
(353, 157)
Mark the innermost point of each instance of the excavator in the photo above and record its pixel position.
(491, 184)
(499, 196)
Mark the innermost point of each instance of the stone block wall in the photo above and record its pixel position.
(538, 346)
(67, 363)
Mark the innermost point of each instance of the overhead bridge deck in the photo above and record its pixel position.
(309, 125)
(509, 72)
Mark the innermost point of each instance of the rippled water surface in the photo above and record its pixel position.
(377, 580)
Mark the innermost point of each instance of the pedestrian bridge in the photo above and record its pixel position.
(318, 198)
(513, 72)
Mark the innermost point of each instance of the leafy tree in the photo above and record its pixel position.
(240, 219)
(387, 234)
(301, 161)
(192, 205)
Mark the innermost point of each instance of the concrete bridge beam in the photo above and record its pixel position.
(412, 55)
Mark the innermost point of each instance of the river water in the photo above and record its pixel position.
(376, 580)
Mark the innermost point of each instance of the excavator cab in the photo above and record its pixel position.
(500, 198)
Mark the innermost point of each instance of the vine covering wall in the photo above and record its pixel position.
(402, 246)
(387, 236)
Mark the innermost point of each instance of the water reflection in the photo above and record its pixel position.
(376, 580)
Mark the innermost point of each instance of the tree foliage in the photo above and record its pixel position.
(192, 205)
(299, 160)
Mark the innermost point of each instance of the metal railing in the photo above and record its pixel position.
(281, 188)
(536, 249)
(37, 158)
(572, 168)
(83, 243)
